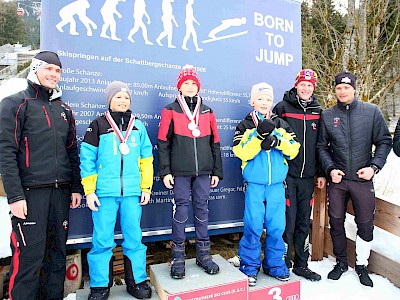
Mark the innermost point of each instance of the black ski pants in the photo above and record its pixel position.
(39, 245)
(299, 201)
(363, 197)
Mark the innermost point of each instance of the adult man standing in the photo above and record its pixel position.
(301, 110)
(347, 133)
(39, 164)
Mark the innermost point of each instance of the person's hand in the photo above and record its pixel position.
(265, 128)
(321, 182)
(75, 200)
(168, 181)
(337, 175)
(145, 198)
(270, 142)
(214, 181)
(91, 199)
(366, 173)
(19, 209)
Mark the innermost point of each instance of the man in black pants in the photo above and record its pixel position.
(39, 164)
(301, 110)
(347, 133)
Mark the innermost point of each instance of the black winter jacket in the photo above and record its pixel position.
(37, 143)
(396, 139)
(304, 121)
(181, 154)
(346, 136)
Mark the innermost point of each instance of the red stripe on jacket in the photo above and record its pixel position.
(301, 116)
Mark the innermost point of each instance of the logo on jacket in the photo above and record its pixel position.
(26, 223)
(65, 224)
(64, 117)
(336, 122)
(314, 126)
(133, 142)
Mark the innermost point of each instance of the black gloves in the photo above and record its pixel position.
(269, 142)
(265, 128)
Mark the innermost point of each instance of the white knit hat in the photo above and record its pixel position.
(259, 89)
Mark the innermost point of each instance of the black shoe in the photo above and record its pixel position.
(363, 275)
(306, 273)
(140, 290)
(337, 271)
(99, 293)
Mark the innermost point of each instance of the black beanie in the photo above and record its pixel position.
(347, 78)
(49, 57)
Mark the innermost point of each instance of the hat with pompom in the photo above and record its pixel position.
(188, 72)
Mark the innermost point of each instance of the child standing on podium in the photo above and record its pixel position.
(189, 162)
(264, 143)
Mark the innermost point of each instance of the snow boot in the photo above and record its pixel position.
(204, 259)
(99, 293)
(138, 290)
(178, 261)
(338, 270)
(306, 273)
(362, 272)
(280, 273)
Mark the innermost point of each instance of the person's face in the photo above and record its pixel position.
(120, 102)
(345, 93)
(189, 88)
(305, 90)
(49, 75)
(263, 104)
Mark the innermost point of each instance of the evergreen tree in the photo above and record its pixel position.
(12, 28)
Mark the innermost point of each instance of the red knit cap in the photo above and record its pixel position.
(188, 72)
(307, 75)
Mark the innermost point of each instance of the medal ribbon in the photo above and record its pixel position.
(256, 116)
(192, 117)
(118, 132)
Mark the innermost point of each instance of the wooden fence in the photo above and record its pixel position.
(387, 217)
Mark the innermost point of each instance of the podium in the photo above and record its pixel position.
(228, 284)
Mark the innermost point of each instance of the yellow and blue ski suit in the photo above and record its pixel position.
(265, 172)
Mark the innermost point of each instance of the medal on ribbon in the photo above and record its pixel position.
(193, 117)
(123, 146)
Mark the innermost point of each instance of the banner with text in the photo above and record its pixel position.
(232, 44)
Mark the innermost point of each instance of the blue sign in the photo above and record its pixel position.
(232, 44)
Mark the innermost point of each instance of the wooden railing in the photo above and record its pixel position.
(387, 217)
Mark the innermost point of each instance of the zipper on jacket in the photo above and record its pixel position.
(194, 144)
(21, 234)
(350, 139)
(122, 168)
(304, 143)
(26, 151)
(47, 116)
(55, 143)
(269, 167)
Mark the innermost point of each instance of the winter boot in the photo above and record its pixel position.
(338, 270)
(138, 290)
(306, 273)
(362, 272)
(204, 259)
(178, 261)
(99, 293)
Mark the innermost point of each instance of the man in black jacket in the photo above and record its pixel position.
(39, 164)
(301, 110)
(347, 133)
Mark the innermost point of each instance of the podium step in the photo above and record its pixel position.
(229, 283)
(271, 288)
(117, 292)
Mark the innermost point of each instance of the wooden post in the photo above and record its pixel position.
(318, 224)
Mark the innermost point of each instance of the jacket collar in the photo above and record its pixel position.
(292, 97)
(350, 106)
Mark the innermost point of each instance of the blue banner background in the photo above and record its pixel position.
(228, 68)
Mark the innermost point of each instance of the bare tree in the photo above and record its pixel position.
(367, 46)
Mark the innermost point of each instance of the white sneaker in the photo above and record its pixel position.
(252, 280)
(235, 261)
